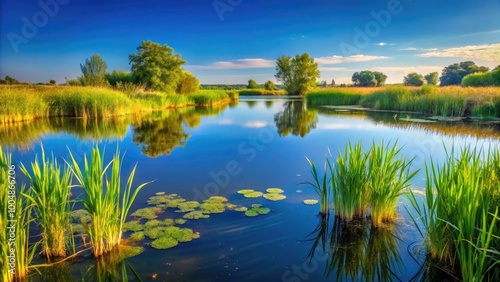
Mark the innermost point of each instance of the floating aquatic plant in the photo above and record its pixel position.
(195, 215)
(163, 243)
(241, 209)
(180, 221)
(274, 196)
(211, 207)
(78, 228)
(137, 236)
(160, 193)
(157, 200)
(155, 232)
(168, 222)
(148, 213)
(152, 223)
(81, 215)
(230, 206)
(256, 210)
(187, 206)
(216, 199)
(254, 194)
(245, 191)
(310, 202)
(274, 190)
(133, 225)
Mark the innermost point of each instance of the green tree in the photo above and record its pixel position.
(252, 84)
(364, 78)
(380, 78)
(188, 84)
(269, 85)
(298, 74)
(53, 82)
(11, 80)
(94, 69)
(157, 66)
(453, 74)
(432, 78)
(120, 76)
(413, 79)
(478, 79)
(495, 76)
(332, 84)
(323, 84)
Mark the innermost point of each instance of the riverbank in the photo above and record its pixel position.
(450, 101)
(261, 92)
(21, 103)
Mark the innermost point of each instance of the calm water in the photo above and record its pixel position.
(257, 143)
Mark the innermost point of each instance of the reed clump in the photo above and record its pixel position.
(50, 195)
(460, 213)
(104, 199)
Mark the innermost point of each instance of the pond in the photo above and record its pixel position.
(256, 143)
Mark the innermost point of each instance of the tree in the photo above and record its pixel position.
(94, 69)
(380, 77)
(269, 85)
(333, 83)
(432, 78)
(298, 74)
(323, 84)
(188, 84)
(413, 79)
(53, 82)
(478, 79)
(11, 80)
(252, 84)
(157, 66)
(120, 76)
(453, 74)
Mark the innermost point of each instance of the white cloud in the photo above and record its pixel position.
(486, 52)
(255, 124)
(418, 49)
(340, 59)
(249, 63)
(381, 44)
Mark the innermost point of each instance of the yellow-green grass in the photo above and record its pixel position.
(258, 92)
(104, 200)
(443, 101)
(50, 195)
(18, 103)
(459, 213)
(338, 96)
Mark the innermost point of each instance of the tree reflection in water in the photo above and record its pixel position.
(295, 119)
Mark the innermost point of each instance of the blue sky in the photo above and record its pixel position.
(232, 41)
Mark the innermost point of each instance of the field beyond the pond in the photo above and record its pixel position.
(21, 103)
(450, 101)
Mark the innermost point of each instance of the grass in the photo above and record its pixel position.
(259, 92)
(14, 266)
(450, 101)
(321, 186)
(50, 194)
(19, 103)
(459, 213)
(102, 199)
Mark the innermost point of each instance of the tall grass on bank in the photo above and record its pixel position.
(19, 103)
(50, 194)
(259, 92)
(102, 199)
(389, 175)
(335, 97)
(451, 101)
(14, 235)
(460, 212)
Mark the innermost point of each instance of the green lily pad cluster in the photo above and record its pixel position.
(310, 202)
(148, 213)
(256, 210)
(170, 236)
(273, 194)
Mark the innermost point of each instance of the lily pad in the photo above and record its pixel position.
(148, 213)
(251, 213)
(168, 222)
(274, 196)
(163, 243)
(310, 202)
(155, 232)
(81, 216)
(245, 191)
(152, 223)
(230, 206)
(160, 193)
(133, 225)
(257, 209)
(254, 194)
(79, 229)
(216, 199)
(195, 215)
(241, 209)
(274, 190)
(187, 206)
(211, 207)
(137, 236)
(180, 221)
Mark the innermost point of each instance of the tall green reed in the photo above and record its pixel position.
(321, 185)
(50, 194)
(102, 198)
